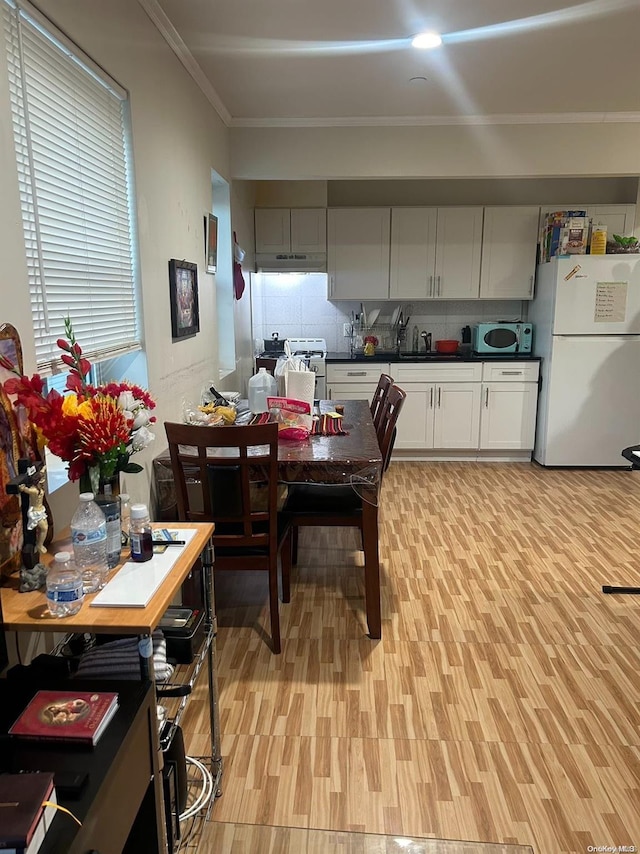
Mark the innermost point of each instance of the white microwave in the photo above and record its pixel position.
(499, 337)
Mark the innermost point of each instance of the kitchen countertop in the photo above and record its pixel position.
(394, 357)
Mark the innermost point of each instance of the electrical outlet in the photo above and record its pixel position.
(347, 330)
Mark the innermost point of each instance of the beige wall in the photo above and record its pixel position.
(436, 152)
(178, 139)
(293, 194)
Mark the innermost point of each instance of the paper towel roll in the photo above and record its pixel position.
(301, 385)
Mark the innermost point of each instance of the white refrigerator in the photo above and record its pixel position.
(586, 316)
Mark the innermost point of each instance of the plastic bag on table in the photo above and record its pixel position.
(293, 417)
(285, 365)
(366, 484)
(203, 416)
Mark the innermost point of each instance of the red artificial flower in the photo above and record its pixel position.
(91, 426)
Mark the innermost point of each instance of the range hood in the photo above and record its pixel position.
(293, 262)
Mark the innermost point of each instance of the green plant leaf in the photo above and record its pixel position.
(132, 468)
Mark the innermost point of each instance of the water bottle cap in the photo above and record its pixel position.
(62, 557)
(139, 511)
(86, 496)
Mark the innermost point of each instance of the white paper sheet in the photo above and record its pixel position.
(134, 585)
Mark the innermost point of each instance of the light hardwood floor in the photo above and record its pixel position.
(502, 703)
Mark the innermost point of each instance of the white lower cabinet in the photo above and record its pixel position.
(354, 380)
(508, 418)
(509, 405)
(439, 416)
(442, 408)
(466, 406)
(456, 415)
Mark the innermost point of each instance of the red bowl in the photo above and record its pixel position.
(447, 345)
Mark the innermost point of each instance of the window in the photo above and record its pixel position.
(71, 131)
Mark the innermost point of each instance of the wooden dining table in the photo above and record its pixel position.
(351, 458)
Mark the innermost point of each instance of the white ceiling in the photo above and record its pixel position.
(344, 61)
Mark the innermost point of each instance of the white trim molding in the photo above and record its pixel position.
(177, 45)
(423, 121)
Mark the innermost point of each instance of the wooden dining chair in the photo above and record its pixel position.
(380, 395)
(229, 475)
(336, 505)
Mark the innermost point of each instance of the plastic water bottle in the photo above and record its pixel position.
(110, 506)
(89, 538)
(261, 386)
(64, 586)
(140, 533)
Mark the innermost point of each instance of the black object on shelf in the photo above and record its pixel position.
(630, 455)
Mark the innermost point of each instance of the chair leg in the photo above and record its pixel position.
(371, 568)
(294, 544)
(285, 565)
(274, 606)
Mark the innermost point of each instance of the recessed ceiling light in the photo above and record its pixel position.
(427, 40)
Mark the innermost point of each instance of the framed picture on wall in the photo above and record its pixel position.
(183, 293)
(212, 243)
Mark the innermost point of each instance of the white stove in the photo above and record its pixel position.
(314, 352)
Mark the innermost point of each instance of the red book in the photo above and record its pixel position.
(21, 799)
(78, 716)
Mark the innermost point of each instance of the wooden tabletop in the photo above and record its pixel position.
(318, 459)
(28, 611)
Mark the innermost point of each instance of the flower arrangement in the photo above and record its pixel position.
(95, 429)
(370, 344)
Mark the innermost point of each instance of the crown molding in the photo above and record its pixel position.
(177, 45)
(434, 121)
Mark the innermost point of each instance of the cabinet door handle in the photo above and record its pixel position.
(531, 280)
(439, 289)
(439, 390)
(431, 398)
(356, 373)
(331, 284)
(486, 398)
(430, 286)
(511, 373)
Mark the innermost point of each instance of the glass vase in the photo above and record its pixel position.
(91, 480)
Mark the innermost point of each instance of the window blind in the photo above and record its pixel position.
(70, 123)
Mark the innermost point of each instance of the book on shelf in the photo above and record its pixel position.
(75, 716)
(24, 820)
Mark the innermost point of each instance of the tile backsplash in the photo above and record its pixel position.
(296, 305)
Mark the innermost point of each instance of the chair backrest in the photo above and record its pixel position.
(387, 432)
(227, 475)
(384, 384)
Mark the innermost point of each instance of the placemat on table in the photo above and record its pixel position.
(326, 425)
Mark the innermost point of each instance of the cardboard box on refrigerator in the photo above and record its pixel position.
(573, 241)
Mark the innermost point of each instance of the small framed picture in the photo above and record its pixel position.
(212, 242)
(183, 293)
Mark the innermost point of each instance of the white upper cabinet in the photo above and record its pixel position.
(284, 230)
(308, 230)
(358, 253)
(273, 229)
(413, 253)
(458, 250)
(435, 253)
(619, 219)
(509, 240)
